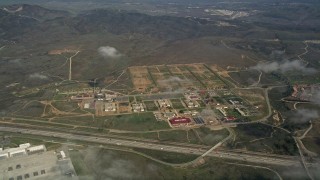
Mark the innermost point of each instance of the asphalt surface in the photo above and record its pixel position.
(242, 156)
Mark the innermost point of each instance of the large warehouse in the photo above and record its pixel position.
(179, 121)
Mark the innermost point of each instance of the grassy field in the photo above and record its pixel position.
(245, 78)
(312, 144)
(208, 137)
(130, 122)
(33, 109)
(95, 163)
(150, 135)
(169, 157)
(135, 122)
(179, 136)
(151, 106)
(177, 104)
(312, 139)
(58, 97)
(263, 138)
(65, 105)
(83, 171)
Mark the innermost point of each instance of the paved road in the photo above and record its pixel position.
(243, 156)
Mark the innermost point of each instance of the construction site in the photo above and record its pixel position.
(176, 94)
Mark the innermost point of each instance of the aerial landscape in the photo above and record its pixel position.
(159, 89)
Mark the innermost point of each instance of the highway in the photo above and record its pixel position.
(242, 156)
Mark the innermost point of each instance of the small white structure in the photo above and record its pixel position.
(87, 105)
(63, 155)
(39, 148)
(26, 145)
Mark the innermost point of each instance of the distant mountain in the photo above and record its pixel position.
(35, 12)
(12, 25)
(119, 22)
(19, 19)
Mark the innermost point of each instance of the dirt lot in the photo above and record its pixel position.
(140, 78)
(174, 77)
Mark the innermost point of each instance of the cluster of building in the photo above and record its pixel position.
(305, 92)
(82, 96)
(109, 103)
(226, 117)
(191, 104)
(164, 103)
(110, 107)
(34, 162)
(186, 121)
(193, 96)
(222, 110)
(137, 107)
(243, 111)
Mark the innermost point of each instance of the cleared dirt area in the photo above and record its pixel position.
(140, 78)
(174, 77)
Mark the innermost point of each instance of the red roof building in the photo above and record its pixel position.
(230, 118)
(179, 120)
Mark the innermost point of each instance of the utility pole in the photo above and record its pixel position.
(70, 68)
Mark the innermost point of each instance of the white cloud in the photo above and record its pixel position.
(38, 76)
(303, 115)
(316, 97)
(284, 66)
(109, 52)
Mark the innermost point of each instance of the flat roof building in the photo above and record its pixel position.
(179, 121)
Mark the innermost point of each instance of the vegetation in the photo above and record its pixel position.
(125, 163)
(135, 122)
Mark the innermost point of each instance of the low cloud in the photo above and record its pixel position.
(303, 115)
(38, 76)
(110, 165)
(316, 97)
(173, 79)
(171, 82)
(284, 66)
(213, 139)
(109, 52)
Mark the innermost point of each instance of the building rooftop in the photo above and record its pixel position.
(179, 120)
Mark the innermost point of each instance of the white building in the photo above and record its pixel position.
(63, 155)
(222, 111)
(36, 149)
(23, 149)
